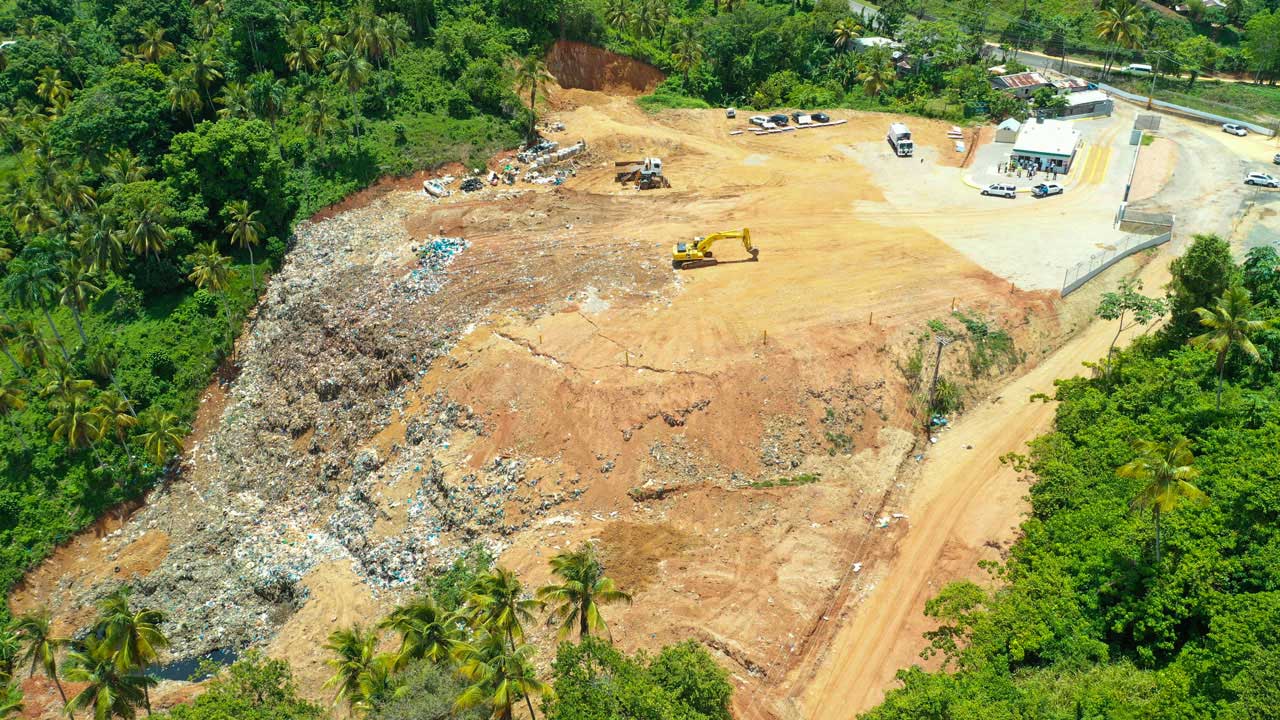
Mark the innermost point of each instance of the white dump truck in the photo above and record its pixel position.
(899, 138)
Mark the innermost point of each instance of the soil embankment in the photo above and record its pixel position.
(585, 67)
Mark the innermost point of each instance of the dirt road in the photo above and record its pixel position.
(964, 500)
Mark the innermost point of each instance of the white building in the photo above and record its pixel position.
(1087, 102)
(1007, 131)
(1048, 145)
(864, 43)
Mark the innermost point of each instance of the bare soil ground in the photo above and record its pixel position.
(644, 402)
(1155, 166)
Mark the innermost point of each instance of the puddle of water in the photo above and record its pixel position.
(186, 669)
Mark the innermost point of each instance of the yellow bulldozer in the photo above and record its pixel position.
(695, 254)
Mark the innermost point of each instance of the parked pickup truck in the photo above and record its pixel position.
(1044, 190)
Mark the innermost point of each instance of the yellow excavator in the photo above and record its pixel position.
(698, 253)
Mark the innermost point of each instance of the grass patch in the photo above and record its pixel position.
(1243, 101)
(798, 480)
(1147, 139)
(666, 99)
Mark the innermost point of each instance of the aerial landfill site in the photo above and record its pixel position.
(521, 367)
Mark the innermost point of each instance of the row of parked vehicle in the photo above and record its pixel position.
(1005, 190)
(773, 122)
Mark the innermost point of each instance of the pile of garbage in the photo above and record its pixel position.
(531, 153)
(433, 257)
(289, 479)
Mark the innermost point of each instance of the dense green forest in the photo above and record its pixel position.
(156, 155)
(1145, 584)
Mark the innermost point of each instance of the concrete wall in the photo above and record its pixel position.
(1091, 269)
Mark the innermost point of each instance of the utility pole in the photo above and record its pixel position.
(943, 340)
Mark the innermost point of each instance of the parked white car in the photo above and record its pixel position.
(759, 120)
(1001, 190)
(1044, 190)
(1262, 179)
(1234, 129)
(731, 113)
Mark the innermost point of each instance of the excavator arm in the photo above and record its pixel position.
(698, 253)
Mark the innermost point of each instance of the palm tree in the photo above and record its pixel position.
(123, 167)
(75, 423)
(146, 232)
(267, 93)
(32, 283)
(29, 342)
(134, 636)
(100, 243)
(73, 195)
(576, 600)
(184, 94)
(1166, 469)
(35, 630)
(52, 89)
(245, 231)
(532, 75)
(64, 384)
(427, 631)
(205, 19)
(235, 101)
(204, 69)
(116, 417)
(1120, 24)
(878, 73)
(12, 400)
(317, 116)
(30, 213)
(153, 46)
(646, 17)
(349, 69)
(397, 34)
(497, 602)
(500, 677)
(617, 13)
(845, 32)
(163, 437)
(211, 271)
(110, 691)
(302, 56)
(355, 649)
(78, 291)
(1229, 326)
(687, 51)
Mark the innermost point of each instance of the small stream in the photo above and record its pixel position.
(185, 669)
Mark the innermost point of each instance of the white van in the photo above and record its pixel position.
(1138, 68)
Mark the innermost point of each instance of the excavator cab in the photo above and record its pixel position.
(698, 253)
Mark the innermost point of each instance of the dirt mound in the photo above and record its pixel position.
(586, 67)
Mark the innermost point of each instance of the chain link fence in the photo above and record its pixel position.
(1082, 272)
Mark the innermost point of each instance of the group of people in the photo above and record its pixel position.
(1026, 168)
